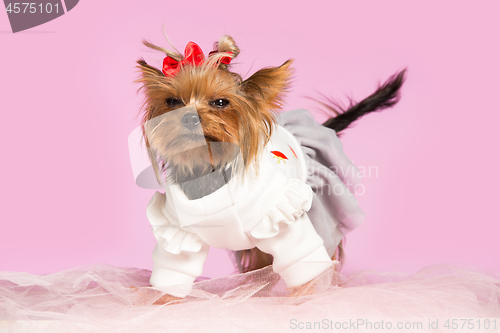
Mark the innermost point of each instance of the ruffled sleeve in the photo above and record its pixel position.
(170, 237)
(179, 254)
(289, 236)
(296, 200)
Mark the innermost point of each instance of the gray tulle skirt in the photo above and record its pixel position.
(333, 178)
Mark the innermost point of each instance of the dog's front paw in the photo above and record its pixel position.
(149, 296)
(168, 299)
(303, 290)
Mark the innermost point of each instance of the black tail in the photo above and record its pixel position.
(386, 96)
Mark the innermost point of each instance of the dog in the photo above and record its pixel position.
(212, 137)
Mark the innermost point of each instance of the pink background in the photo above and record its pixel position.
(69, 103)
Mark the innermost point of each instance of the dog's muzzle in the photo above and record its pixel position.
(191, 121)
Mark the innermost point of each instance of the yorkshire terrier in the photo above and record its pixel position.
(206, 127)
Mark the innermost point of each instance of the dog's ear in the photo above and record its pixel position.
(148, 72)
(267, 85)
(151, 80)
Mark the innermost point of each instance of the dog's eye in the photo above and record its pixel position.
(174, 102)
(220, 103)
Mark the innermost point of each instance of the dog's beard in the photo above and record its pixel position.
(200, 159)
(203, 170)
(207, 184)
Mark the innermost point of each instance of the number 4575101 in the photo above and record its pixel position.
(32, 8)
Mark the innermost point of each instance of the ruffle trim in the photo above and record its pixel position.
(175, 240)
(296, 200)
(169, 236)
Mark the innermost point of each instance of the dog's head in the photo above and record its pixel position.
(198, 115)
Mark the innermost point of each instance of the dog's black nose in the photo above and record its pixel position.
(191, 120)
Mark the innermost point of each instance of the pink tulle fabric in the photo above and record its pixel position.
(103, 298)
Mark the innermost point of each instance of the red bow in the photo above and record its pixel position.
(192, 55)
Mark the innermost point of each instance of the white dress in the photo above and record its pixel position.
(267, 210)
